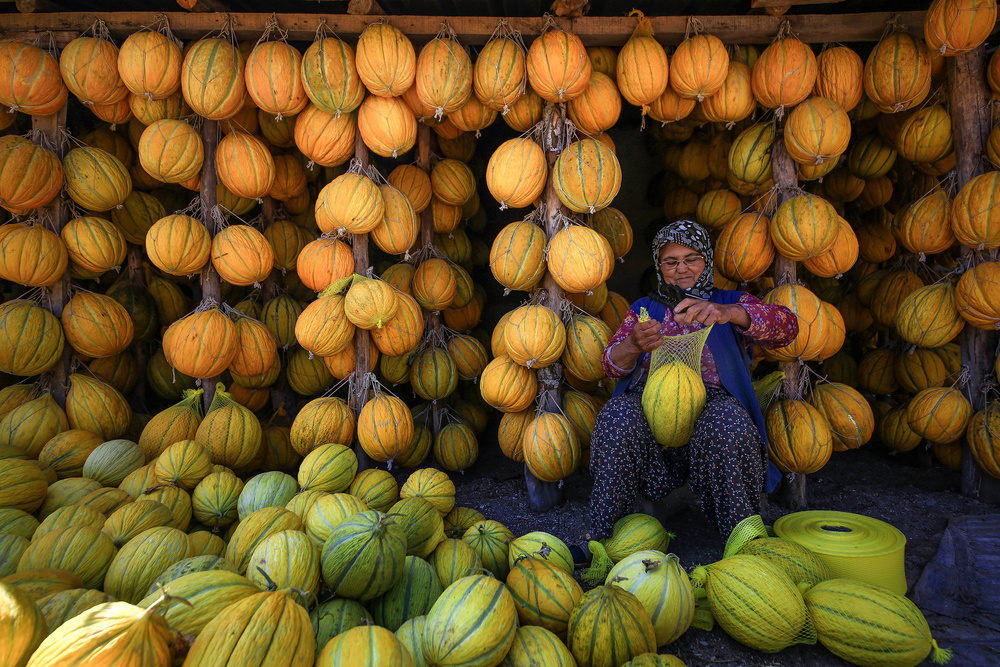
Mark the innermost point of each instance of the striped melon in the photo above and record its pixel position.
(64, 605)
(432, 485)
(214, 500)
(85, 551)
(328, 512)
(672, 402)
(542, 546)
(37, 584)
(137, 564)
(755, 602)
(663, 588)
(471, 624)
(422, 525)
(263, 629)
(365, 646)
(489, 539)
(376, 488)
(255, 529)
(335, 616)
(636, 532)
(209, 593)
(414, 595)
(22, 626)
(870, 626)
(12, 547)
(608, 627)
(800, 563)
(268, 489)
(364, 556)
(544, 594)
(534, 645)
(454, 559)
(191, 565)
(286, 560)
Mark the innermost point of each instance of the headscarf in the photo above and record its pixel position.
(694, 236)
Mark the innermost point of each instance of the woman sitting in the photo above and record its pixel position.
(726, 458)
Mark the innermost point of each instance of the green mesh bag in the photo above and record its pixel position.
(869, 625)
(674, 395)
(756, 603)
(631, 533)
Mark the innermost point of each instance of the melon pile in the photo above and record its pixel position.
(187, 560)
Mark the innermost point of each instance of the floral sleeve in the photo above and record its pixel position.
(624, 330)
(771, 325)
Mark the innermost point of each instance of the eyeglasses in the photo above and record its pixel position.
(671, 264)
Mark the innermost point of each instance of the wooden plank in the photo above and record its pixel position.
(432, 322)
(784, 172)
(970, 120)
(53, 128)
(211, 287)
(476, 30)
(362, 339)
(763, 4)
(543, 496)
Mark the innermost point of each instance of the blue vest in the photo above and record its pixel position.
(732, 359)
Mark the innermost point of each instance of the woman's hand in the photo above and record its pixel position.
(646, 336)
(707, 313)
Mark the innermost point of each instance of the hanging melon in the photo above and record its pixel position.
(212, 78)
(272, 79)
(817, 130)
(642, 72)
(89, 68)
(598, 107)
(784, 74)
(839, 76)
(244, 165)
(385, 60)
(558, 66)
(351, 202)
(733, 101)
(30, 81)
(507, 386)
(799, 436)
(96, 179)
(30, 176)
(579, 258)
(804, 226)
(516, 173)
(149, 64)
(325, 138)
(699, 67)
(31, 255)
(96, 325)
(973, 217)
(744, 250)
(387, 125)
(444, 75)
(499, 73)
(242, 255)
(897, 74)
(586, 176)
(202, 344)
(928, 316)
(525, 112)
(952, 27)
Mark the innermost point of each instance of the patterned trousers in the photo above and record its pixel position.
(724, 462)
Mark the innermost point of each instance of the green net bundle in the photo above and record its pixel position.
(630, 534)
(674, 395)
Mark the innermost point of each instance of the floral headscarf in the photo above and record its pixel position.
(694, 236)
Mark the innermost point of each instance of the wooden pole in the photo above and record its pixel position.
(53, 129)
(210, 282)
(137, 278)
(543, 496)
(281, 393)
(432, 323)
(362, 339)
(785, 177)
(970, 121)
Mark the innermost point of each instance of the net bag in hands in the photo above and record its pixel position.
(674, 395)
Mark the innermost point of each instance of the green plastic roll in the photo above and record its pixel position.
(852, 545)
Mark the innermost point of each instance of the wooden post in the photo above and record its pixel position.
(543, 496)
(433, 321)
(210, 282)
(362, 339)
(137, 278)
(785, 177)
(281, 393)
(970, 121)
(53, 128)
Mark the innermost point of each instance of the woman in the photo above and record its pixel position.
(726, 459)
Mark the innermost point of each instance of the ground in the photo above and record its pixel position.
(906, 491)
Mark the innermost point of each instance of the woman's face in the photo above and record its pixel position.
(680, 265)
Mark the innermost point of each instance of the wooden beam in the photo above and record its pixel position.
(970, 120)
(365, 8)
(785, 177)
(53, 127)
(38, 6)
(759, 4)
(211, 287)
(362, 339)
(432, 322)
(475, 30)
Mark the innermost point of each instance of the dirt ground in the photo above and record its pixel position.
(906, 491)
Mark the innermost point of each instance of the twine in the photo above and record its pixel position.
(693, 27)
